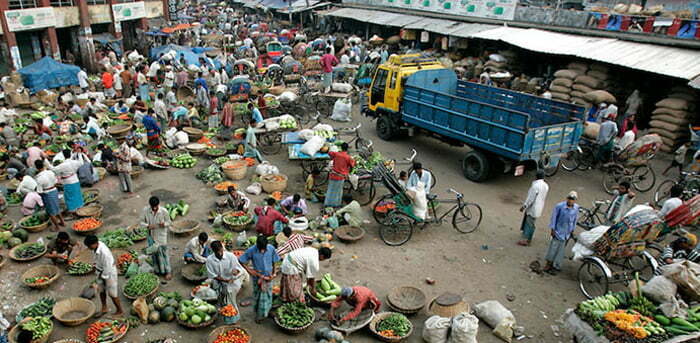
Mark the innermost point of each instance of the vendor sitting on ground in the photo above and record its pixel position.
(311, 189)
(359, 297)
(32, 202)
(294, 205)
(295, 240)
(197, 249)
(60, 248)
(237, 200)
(268, 216)
(681, 249)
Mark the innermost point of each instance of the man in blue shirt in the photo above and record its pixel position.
(255, 113)
(562, 224)
(263, 257)
(201, 81)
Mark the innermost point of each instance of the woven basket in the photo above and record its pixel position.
(223, 329)
(378, 318)
(119, 130)
(270, 184)
(35, 228)
(43, 270)
(69, 340)
(184, 94)
(117, 338)
(131, 228)
(146, 296)
(12, 253)
(350, 326)
(448, 305)
(86, 232)
(94, 210)
(221, 188)
(216, 155)
(198, 326)
(193, 133)
(195, 148)
(2, 261)
(136, 171)
(406, 299)
(73, 306)
(241, 227)
(235, 170)
(12, 335)
(349, 234)
(294, 331)
(184, 227)
(190, 273)
(96, 192)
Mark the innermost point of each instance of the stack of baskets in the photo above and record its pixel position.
(406, 299)
(235, 170)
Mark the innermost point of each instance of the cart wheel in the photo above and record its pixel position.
(643, 178)
(640, 264)
(270, 144)
(592, 280)
(364, 146)
(382, 208)
(612, 178)
(365, 192)
(308, 166)
(570, 160)
(467, 218)
(398, 231)
(663, 192)
(551, 171)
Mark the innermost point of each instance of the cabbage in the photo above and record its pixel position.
(196, 319)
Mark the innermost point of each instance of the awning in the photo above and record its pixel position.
(300, 6)
(177, 27)
(449, 27)
(695, 83)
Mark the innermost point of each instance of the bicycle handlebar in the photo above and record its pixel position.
(413, 156)
(455, 192)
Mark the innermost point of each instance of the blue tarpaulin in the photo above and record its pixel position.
(47, 73)
(109, 40)
(191, 55)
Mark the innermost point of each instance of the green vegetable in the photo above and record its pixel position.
(30, 250)
(183, 161)
(141, 284)
(79, 268)
(295, 315)
(211, 174)
(21, 234)
(33, 220)
(396, 322)
(684, 324)
(41, 308)
(116, 239)
(14, 198)
(663, 320)
(38, 326)
(676, 330)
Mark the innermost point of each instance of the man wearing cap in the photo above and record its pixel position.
(533, 206)
(606, 137)
(563, 223)
(683, 248)
(359, 297)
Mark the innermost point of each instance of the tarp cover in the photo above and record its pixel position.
(191, 55)
(109, 40)
(47, 73)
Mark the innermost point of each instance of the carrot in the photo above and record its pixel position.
(86, 224)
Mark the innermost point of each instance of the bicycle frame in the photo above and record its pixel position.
(438, 219)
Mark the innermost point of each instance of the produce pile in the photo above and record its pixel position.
(124, 260)
(180, 208)
(196, 311)
(87, 224)
(211, 174)
(38, 279)
(183, 161)
(236, 218)
(395, 325)
(33, 220)
(30, 250)
(116, 239)
(223, 186)
(78, 268)
(233, 336)
(216, 151)
(324, 134)
(295, 315)
(141, 284)
(7, 226)
(105, 331)
(277, 195)
(139, 233)
(368, 164)
(228, 311)
(164, 307)
(327, 289)
(41, 308)
(288, 123)
(161, 162)
(38, 326)
(14, 238)
(223, 159)
(14, 199)
(89, 197)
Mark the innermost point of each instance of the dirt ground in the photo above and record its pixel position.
(484, 265)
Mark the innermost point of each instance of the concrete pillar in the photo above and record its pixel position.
(10, 39)
(52, 39)
(143, 22)
(85, 42)
(115, 28)
(166, 9)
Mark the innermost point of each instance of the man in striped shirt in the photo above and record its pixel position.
(294, 241)
(683, 248)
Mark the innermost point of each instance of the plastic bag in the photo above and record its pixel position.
(674, 308)
(322, 127)
(206, 293)
(685, 275)
(287, 97)
(306, 134)
(341, 87)
(420, 202)
(89, 291)
(141, 309)
(241, 239)
(265, 168)
(464, 328)
(342, 110)
(255, 188)
(272, 125)
(580, 251)
(132, 270)
(497, 316)
(313, 145)
(587, 238)
(660, 289)
(435, 329)
(145, 267)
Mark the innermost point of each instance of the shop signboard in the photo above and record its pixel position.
(172, 9)
(129, 11)
(30, 19)
(493, 9)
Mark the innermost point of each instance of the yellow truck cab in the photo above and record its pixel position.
(386, 89)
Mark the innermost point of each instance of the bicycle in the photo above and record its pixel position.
(466, 218)
(588, 219)
(409, 162)
(689, 181)
(641, 177)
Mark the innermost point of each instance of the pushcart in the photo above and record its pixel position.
(326, 101)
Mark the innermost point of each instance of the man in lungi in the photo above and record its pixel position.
(263, 257)
(563, 223)
(342, 164)
(226, 274)
(152, 131)
(67, 173)
(46, 187)
(157, 220)
(298, 265)
(106, 274)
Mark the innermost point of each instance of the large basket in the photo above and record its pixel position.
(294, 331)
(146, 296)
(378, 318)
(190, 273)
(235, 170)
(119, 130)
(18, 259)
(94, 210)
(350, 326)
(136, 171)
(406, 299)
(272, 183)
(117, 338)
(73, 311)
(92, 195)
(184, 227)
(198, 326)
(223, 329)
(195, 148)
(43, 270)
(241, 227)
(447, 305)
(349, 234)
(193, 133)
(2, 261)
(35, 228)
(69, 340)
(221, 188)
(12, 335)
(184, 94)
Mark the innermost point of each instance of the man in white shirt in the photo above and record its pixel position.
(161, 111)
(137, 156)
(67, 173)
(197, 249)
(673, 202)
(157, 220)
(83, 80)
(153, 69)
(226, 272)
(28, 184)
(298, 265)
(169, 80)
(46, 187)
(533, 206)
(106, 274)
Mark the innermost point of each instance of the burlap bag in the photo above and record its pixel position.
(577, 94)
(560, 96)
(566, 73)
(599, 67)
(589, 81)
(580, 101)
(597, 74)
(671, 112)
(674, 104)
(684, 96)
(562, 81)
(560, 89)
(599, 96)
(581, 68)
(671, 119)
(582, 88)
(673, 136)
(670, 127)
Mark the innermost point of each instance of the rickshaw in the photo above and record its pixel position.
(239, 88)
(274, 50)
(293, 71)
(632, 164)
(263, 62)
(318, 46)
(244, 67)
(275, 73)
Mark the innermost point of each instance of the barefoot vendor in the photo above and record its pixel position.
(263, 257)
(157, 220)
(359, 297)
(60, 248)
(197, 249)
(299, 265)
(226, 274)
(106, 274)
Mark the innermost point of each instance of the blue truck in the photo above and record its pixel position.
(504, 128)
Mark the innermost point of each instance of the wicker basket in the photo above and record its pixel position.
(221, 188)
(131, 228)
(43, 270)
(96, 192)
(270, 183)
(196, 148)
(349, 234)
(184, 227)
(190, 273)
(117, 338)
(350, 326)
(136, 171)
(65, 309)
(119, 130)
(406, 299)
(294, 331)
(146, 296)
(18, 259)
(94, 210)
(198, 326)
(378, 318)
(241, 227)
(2, 261)
(35, 228)
(69, 340)
(214, 155)
(235, 170)
(12, 335)
(447, 305)
(223, 329)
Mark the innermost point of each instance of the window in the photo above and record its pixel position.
(96, 2)
(62, 3)
(22, 4)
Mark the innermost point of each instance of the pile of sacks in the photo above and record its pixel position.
(582, 84)
(672, 116)
(15, 93)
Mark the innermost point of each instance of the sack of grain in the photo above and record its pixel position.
(634, 9)
(589, 81)
(668, 134)
(671, 112)
(621, 8)
(560, 96)
(671, 119)
(670, 127)
(393, 40)
(670, 144)
(562, 81)
(577, 94)
(590, 130)
(581, 68)
(597, 74)
(685, 96)
(560, 89)
(580, 101)
(582, 88)
(599, 96)
(495, 64)
(599, 67)
(566, 73)
(674, 104)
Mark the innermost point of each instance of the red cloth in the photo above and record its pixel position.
(214, 105)
(342, 164)
(227, 115)
(360, 299)
(107, 80)
(626, 126)
(41, 128)
(262, 106)
(328, 61)
(267, 216)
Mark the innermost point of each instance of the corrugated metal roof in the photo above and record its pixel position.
(464, 30)
(695, 83)
(396, 20)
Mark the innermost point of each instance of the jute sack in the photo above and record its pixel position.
(582, 88)
(495, 64)
(597, 74)
(393, 40)
(560, 96)
(667, 149)
(580, 101)
(577, 94)
(560, 89)
(670, 119)
(582, 68)
(599, 67)
(589, 81)
(591, 130)
(668, 134)
(674, 104)
(566, 73)
(599, 96)
(684, 96)
(670, 127)
(562, 81)
(671, 112)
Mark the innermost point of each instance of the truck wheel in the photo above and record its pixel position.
(385, 128)
(476, 166)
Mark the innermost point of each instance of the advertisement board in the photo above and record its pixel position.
(129, 11)
(30, 19)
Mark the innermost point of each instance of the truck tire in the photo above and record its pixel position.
(476, 166)
(386, 129)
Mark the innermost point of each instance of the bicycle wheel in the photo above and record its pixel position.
(585, 219)
(611, 179)
(363, 145)
(640, 264)
(586, 158)
(467, 218)
(663, 192)
(270, 144)
(365, 191)
(570, 160)
(398, 231)
(643, 178)
(592, 280)
(382, 208)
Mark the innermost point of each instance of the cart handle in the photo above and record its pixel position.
(459, 195)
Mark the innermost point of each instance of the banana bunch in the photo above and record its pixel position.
(597, 307)
(643, 305)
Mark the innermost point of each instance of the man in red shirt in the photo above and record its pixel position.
(342, 164)
(328, 61)
(108, 83)
(360, 298)
(267, 216)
